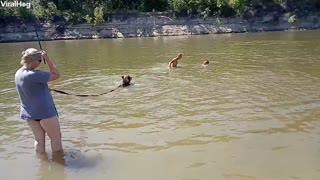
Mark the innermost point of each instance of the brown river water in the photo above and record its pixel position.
(252, 114)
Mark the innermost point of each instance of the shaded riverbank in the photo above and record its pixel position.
(154, 25)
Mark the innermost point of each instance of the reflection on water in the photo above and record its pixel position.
(251, 114)
(51, 169)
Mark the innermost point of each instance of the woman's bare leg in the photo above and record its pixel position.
(39, 135)
(52, 128)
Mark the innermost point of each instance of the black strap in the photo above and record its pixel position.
(84, 95)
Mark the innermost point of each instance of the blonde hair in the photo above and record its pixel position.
(28, 56)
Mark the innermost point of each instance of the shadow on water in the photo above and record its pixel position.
(60, 164)
(75, 159)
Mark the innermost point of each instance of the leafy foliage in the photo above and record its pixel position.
(89, 11)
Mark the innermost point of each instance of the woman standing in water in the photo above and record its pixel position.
(36, 103)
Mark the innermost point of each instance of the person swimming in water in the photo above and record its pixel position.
(174, 61)
(205, 63)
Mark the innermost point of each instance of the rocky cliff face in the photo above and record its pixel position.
(148, 26)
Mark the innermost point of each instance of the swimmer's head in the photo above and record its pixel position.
(206, 62)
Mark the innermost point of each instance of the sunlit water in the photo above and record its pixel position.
(252, 114)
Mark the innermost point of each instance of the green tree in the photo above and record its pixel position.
(76, 11)
(99, 15)
(157, 5)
